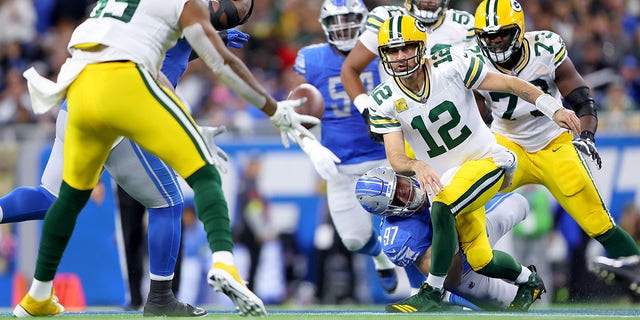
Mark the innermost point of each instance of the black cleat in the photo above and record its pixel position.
(162, 303)
(623, 269)
(388, 279)
(173, 308)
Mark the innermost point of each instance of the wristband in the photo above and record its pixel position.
(361, 102)
(548, 105)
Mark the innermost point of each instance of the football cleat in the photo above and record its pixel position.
(224, 278)
(428, 299)
(30, 307)
(528, 292)
(162, 303)
(388, 279)
(621, 269)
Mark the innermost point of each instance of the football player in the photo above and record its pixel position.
(131, 168)
(429, 102)
(344, 134)
(445, 27)
(407, 236)
(548, 154)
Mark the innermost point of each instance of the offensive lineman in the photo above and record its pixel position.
(548, 154)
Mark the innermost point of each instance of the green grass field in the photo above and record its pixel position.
(369, 312)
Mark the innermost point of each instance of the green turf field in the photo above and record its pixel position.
(370, 312)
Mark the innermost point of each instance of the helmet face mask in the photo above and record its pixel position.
(343, 21)
(499, 28)
(382, 192)
(427, 11)
(402, 33)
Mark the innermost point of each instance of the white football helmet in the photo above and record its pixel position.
(383, 192)
(429, 12)
(343, 21)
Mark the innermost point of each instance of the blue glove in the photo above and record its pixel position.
(234, 38)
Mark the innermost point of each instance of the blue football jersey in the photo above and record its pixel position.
(404, 239)
(344, 132)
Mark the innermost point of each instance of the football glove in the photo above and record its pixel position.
(324, 161)
(289, 122)
(220, 158)
(587, 145)
(373, 135)
(506, 160)
(233, 38)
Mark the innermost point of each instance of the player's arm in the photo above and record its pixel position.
(204, 39)
(577, 94)
(357, 60)
(551, 107)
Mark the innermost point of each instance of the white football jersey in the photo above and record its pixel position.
(515, 118)
(456, 29)
(442, 123)
(137, 30)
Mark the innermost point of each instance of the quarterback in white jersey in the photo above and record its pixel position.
(445, 27)
(116, 57)
(430, 103)
(547, 154)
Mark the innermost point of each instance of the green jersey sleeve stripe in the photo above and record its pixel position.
(475, 69)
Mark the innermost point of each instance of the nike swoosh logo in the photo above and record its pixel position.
(556, 149)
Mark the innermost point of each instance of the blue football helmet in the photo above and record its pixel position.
(383, 192)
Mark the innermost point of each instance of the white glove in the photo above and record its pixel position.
(289, 122)
(506, 160)
(220, 158)
(324, 161)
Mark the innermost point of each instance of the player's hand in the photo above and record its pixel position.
(427, 178)
(567, 119)
(373, 135)
(220, 158)
(234, 38)
(324, 161)
(506, 160)
(289, 122)
(587, 145)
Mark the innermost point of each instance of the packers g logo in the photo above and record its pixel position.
(401, 105)
(515, 5)
(420, 26)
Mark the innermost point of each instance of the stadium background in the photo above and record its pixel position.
(603, 38)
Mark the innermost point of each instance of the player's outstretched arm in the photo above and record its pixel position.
(547, 104)
(203, 38)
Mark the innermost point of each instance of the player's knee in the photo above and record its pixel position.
(354, 244)
(478, 256)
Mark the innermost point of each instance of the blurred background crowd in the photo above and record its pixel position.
(602, 37)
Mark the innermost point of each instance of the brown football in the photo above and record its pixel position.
(315, 102)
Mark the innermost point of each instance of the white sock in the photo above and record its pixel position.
(160, 278)
(382, 262)
(40, 290)
(225, 257)
(524, 275)
(435, 281)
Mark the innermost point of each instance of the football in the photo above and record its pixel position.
(315, 102)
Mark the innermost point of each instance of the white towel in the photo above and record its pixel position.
(46, 94)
